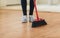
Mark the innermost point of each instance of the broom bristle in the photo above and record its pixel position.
(38, 23)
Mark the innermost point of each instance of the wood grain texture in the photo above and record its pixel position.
(12, 27)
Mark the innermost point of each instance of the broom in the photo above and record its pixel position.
(39, 21)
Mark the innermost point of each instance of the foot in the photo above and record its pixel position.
(24, 19)
(31, 18)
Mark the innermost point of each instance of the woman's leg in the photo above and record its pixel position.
(31, 7)
(24, 6)
(24, 9)
(31, 18)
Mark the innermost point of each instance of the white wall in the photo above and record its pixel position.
(5, 2)
(51, 5)
(13, 1)
(2, 2)
(48, 2)
(56, 1)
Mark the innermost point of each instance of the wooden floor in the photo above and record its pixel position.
(11, 26)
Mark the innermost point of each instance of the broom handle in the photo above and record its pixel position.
(36, 10)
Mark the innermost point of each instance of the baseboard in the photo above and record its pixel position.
(13, 5)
